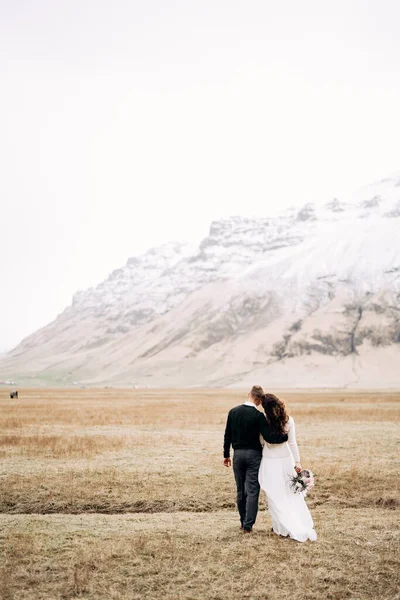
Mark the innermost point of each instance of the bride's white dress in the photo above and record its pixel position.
(289, 511)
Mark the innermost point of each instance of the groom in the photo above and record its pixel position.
(243, 428)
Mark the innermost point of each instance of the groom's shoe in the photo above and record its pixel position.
(246, 530)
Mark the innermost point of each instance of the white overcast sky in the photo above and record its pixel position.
(125, 124)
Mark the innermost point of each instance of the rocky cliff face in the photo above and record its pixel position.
(308, 298)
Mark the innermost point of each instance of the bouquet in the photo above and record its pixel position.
(302, 482)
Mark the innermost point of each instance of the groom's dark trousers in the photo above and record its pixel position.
(246, 464)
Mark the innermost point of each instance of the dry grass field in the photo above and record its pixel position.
(121, 494)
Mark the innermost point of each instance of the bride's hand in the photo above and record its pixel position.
(297, 467)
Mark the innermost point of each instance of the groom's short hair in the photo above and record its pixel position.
(257, 392)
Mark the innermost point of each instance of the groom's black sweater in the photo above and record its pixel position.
(243, 428)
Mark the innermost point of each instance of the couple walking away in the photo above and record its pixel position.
(266, 455)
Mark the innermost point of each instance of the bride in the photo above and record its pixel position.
(289, 511)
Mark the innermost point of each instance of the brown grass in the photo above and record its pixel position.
(76, 465)
(60, 446)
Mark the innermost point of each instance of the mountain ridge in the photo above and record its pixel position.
(307, 298)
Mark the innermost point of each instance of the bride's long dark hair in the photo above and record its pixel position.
(275, 412)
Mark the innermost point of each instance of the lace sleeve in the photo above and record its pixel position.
(292, 440)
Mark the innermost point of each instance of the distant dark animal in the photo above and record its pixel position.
(14, 394)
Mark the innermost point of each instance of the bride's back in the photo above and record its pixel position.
(279, 450)
(279, 421)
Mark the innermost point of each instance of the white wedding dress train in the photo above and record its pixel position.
(289, 511)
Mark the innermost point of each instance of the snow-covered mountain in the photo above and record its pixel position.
(309, 298)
